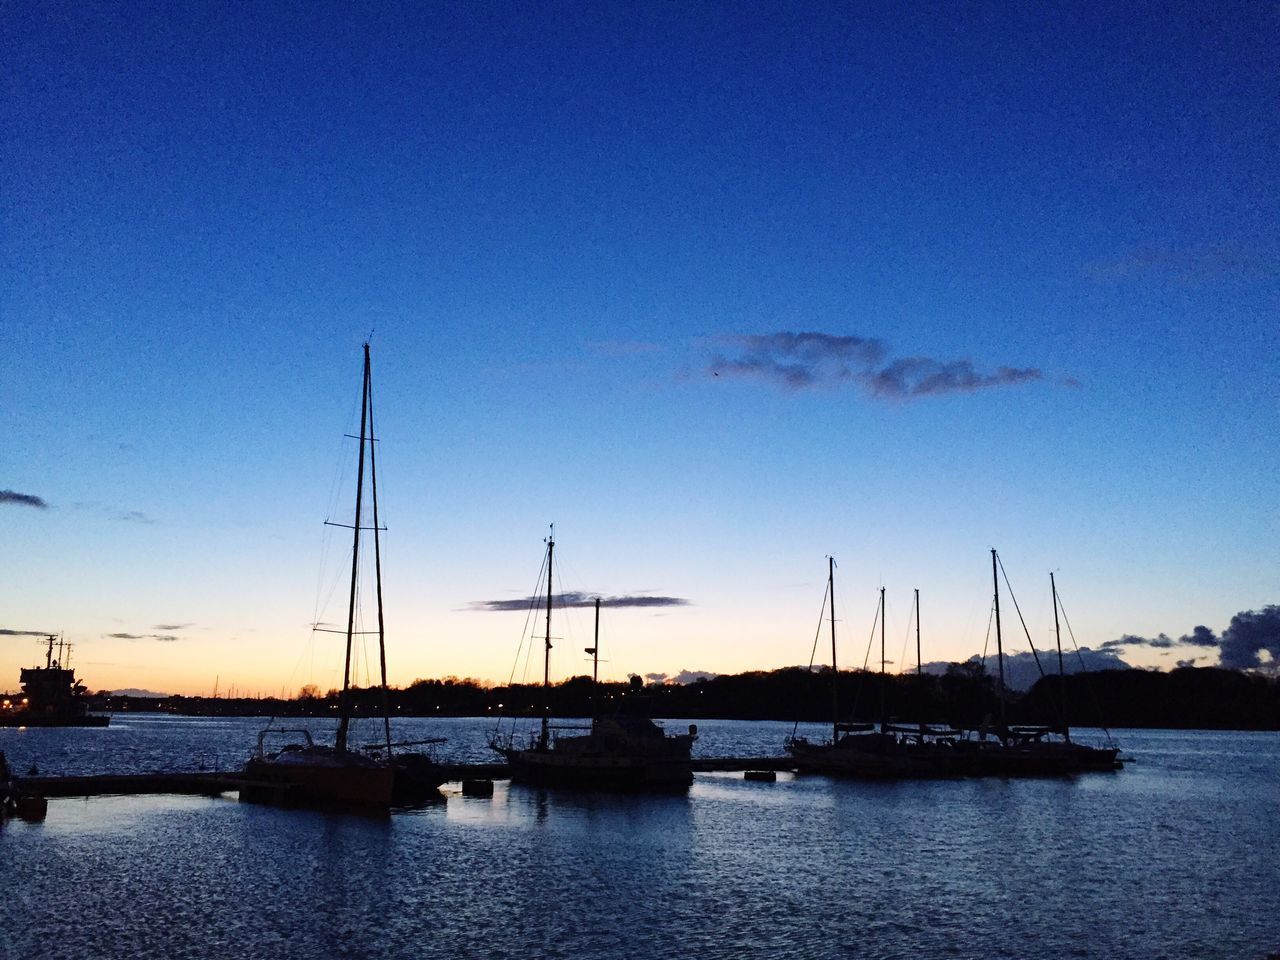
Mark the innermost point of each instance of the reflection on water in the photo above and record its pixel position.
(1174, 857)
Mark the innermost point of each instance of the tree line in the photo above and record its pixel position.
(964, 696)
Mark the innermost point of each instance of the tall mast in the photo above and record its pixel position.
(884, 703)
(595, 662)
(344, 702)
(48, 654)
(377, 561)
(545, 736)
(835, 670)
(919, 670)
(995, 579)
(919, 664)
(1062, 673)
(595, 648)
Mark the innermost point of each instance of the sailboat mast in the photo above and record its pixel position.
(995, 580)
(595, 663)
(919, 669)
(835, 670)
(1062, 673)
(377, 562)
(919, 666)
(884, 703)
(545, 736)
(344, 701)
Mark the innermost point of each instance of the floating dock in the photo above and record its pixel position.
(212, 784)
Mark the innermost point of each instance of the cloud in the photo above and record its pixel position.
(1159, 642)
(1021, 670)
(159, 637)
(1251, 641)
(5, 632)
(1251, 633)
(1201, 636)
(136, 516)
(683, 677)
(578, 599)
(1188, 265)
(922, 377)
(795, 361)
(23, 499)
(167, 627)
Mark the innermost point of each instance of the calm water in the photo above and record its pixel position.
(1176, 856)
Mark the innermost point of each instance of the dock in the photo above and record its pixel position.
(212, 784)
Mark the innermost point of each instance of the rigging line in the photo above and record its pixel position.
(1031, 644)
(1097, 707)
(862, 678)
(906, 639)
(1034, 653)
(813, 654)
(526, 633)
(986, 642)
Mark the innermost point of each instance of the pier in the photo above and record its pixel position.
(212, 784)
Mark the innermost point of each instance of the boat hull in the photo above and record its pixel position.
(326, 785)
(548, 768)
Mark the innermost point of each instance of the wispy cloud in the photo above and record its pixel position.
(578, 599)
(136, 516)
(16, 499)
(158, 637)
(1159, 642)
(168, 627)
(5, 632)
(1186, 264)
(795, 361)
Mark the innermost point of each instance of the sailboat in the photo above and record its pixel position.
(864, 749)
(318, 775)
(1034, 750)
(622, 751)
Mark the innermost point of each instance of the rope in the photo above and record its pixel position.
(813, 654)
(1058, 706)
(1097, 707)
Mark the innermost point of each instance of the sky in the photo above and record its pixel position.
(720, 290)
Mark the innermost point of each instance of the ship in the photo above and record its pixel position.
(51, 695)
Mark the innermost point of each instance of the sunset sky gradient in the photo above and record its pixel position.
(719, 290)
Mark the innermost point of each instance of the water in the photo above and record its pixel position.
(1176, 856)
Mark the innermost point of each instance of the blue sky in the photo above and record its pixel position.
(554, 218)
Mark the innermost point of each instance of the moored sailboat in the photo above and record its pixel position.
(619, 752)
(871, 751)
(1029, 749)
(367, 779)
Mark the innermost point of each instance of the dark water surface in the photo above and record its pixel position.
(1176, 856)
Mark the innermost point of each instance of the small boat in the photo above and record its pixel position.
(369, 779)
(620, 752)
(51, 695)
